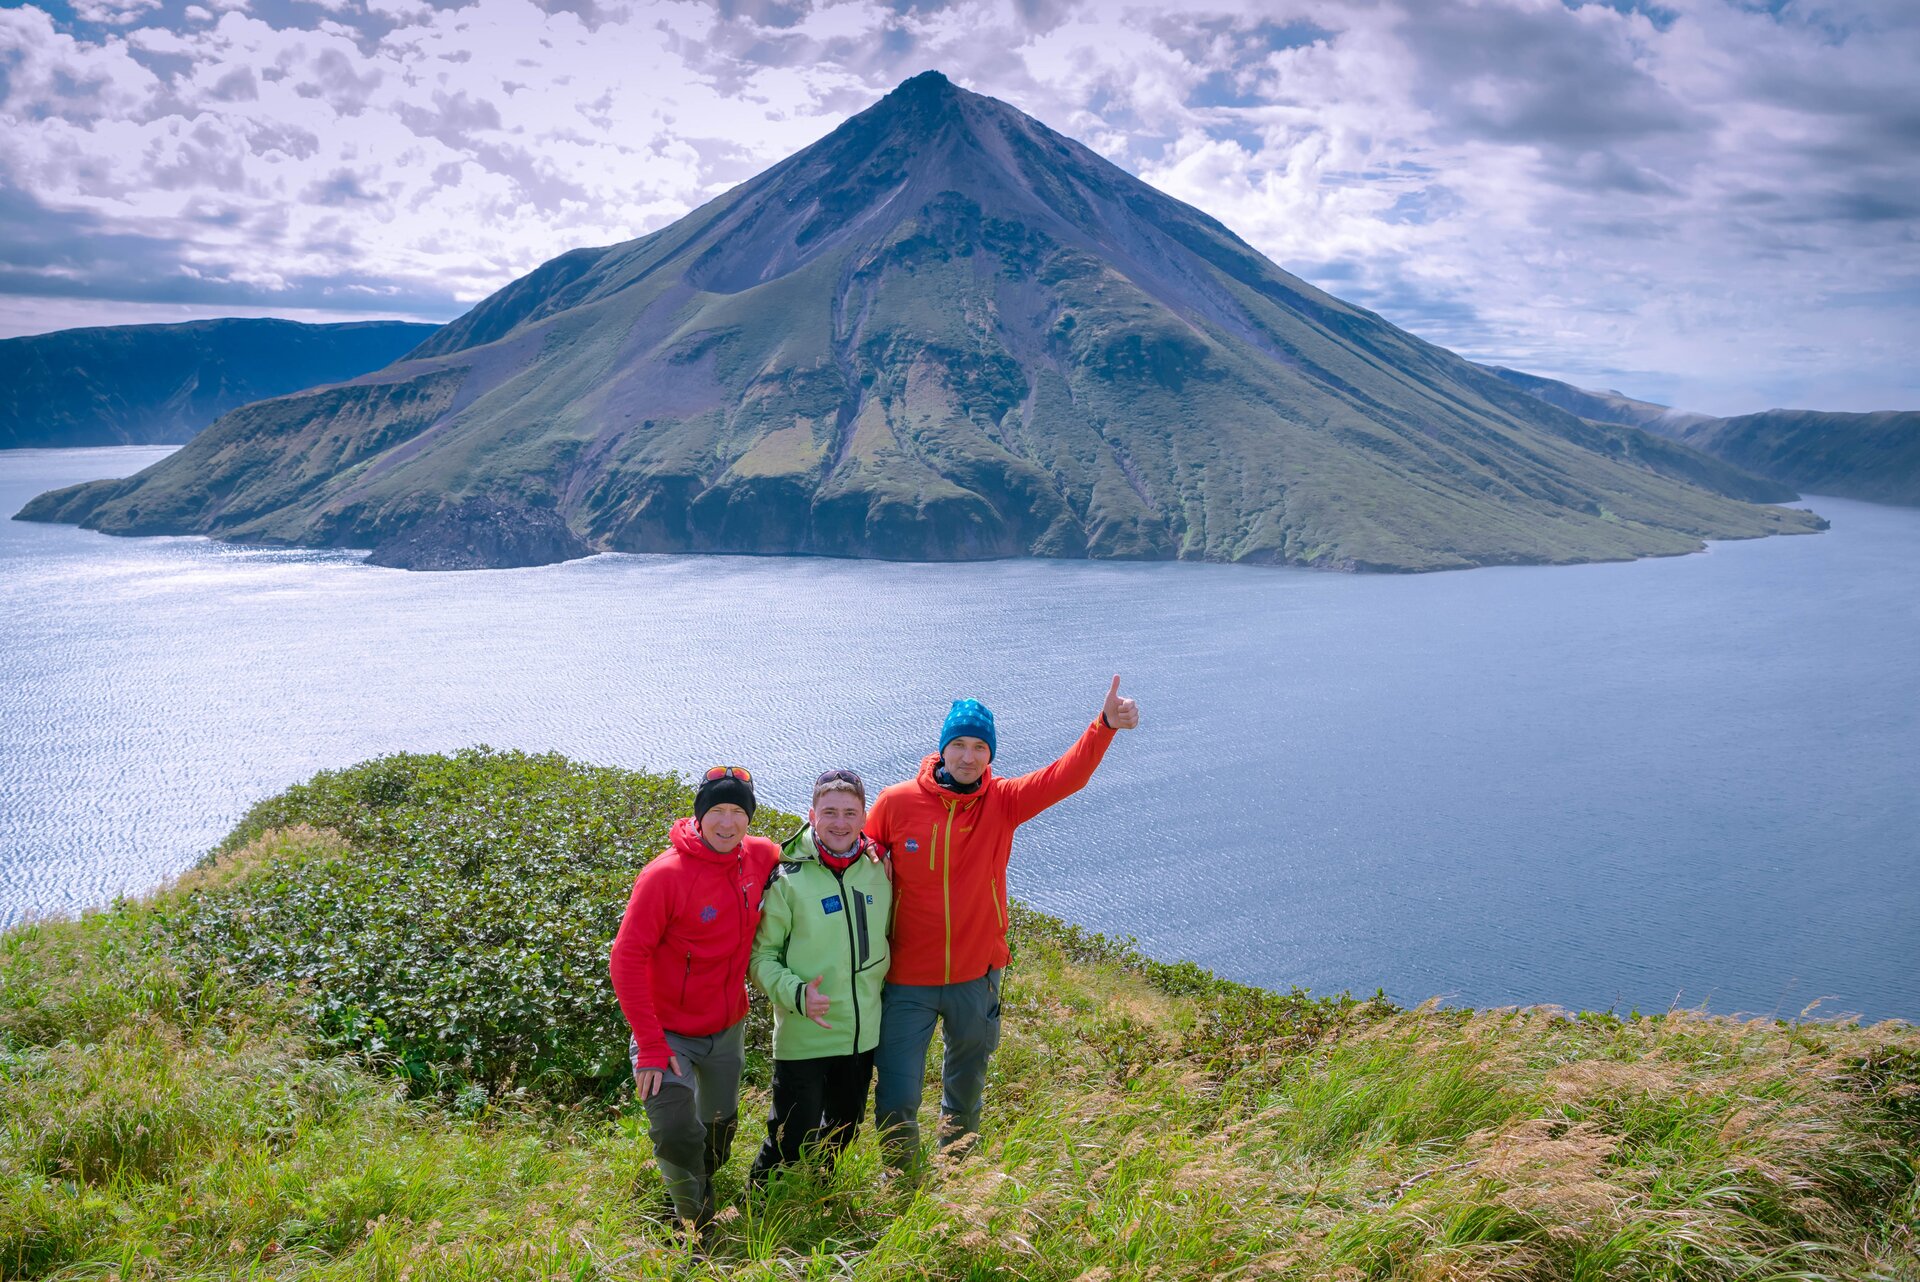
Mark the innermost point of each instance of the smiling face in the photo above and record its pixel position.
(724, 826)
(966, 758)
(836, 817)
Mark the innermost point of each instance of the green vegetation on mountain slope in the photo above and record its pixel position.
(1600, 407)
(1769, 456)
(160, 384)
(943, 331)
(1875, 457)
(372, 1037)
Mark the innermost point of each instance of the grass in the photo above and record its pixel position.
(173, 1108)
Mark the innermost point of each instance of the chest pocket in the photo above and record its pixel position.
(869, 935)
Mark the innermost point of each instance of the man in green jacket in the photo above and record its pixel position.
(821, 956)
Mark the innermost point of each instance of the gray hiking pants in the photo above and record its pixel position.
(969, 1017)
(693, 1116)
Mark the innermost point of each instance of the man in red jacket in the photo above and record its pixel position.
(679, 968)
(950, 833)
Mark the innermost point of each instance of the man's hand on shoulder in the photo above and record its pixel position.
(1119, 711)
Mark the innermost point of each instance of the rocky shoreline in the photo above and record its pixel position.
(481, 534)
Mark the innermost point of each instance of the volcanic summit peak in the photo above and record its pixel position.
(941, 331)
(927, 86)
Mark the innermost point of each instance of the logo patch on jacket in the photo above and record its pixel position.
(912, 845)
(709, 913)
(831, 903)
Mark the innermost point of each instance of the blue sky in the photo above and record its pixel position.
(1714, 204)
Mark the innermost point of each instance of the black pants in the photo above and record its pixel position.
(817, 1103)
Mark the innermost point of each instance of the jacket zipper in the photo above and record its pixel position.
(685, 976)
(946, 892)
(853, 957)
(739, 879)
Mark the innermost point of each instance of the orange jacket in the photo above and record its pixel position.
(950, 853)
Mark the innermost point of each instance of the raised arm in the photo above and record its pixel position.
(1029, 794)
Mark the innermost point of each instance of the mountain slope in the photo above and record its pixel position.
(1645, 433)
(215, 1080)
(942, 331)
(1770, 456)
(160, 384)
(1601, 407)
(1875, 457)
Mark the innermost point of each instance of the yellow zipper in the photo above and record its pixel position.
(946, 892)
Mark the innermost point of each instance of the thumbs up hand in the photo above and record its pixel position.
(1121, 713)
(817, 1004)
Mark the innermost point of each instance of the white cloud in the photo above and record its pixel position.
(1720, 204)
(113, 12)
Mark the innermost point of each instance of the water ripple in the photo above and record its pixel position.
(1624, 785)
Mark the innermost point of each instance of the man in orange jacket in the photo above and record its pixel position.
(950, 834)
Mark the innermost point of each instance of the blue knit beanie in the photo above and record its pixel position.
(969, 717)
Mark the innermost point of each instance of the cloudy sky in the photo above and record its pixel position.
(1710, 203)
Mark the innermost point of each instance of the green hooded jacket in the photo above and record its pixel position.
(815, 923)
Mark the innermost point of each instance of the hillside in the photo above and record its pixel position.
(161, 384)
(372, 1037)
(1600, 406)
(943, 331)
(1781, 453)
(1875, 457)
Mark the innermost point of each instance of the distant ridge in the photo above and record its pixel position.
(1602, 407)
(943, 331)
(1873, 456)
(160, 384)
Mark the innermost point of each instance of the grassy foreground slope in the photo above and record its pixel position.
(371, 1037)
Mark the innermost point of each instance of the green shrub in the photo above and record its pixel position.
(459, 930)
(164, 1113)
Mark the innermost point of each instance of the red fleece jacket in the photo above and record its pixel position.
(680, 959)
(950, 852)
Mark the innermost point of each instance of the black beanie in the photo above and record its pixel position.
(722, 791)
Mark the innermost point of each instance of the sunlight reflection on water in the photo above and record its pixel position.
(1596, 785)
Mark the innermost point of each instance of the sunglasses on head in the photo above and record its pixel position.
(730, 772)
(839, 776)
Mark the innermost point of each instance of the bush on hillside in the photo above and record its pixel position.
(160, 1115)
(458, 927)
(451, 914)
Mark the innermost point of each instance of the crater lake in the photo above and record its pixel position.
(1689, 781)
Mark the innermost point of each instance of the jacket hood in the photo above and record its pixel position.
(685, 837)
(803, 847)
(932, 786)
